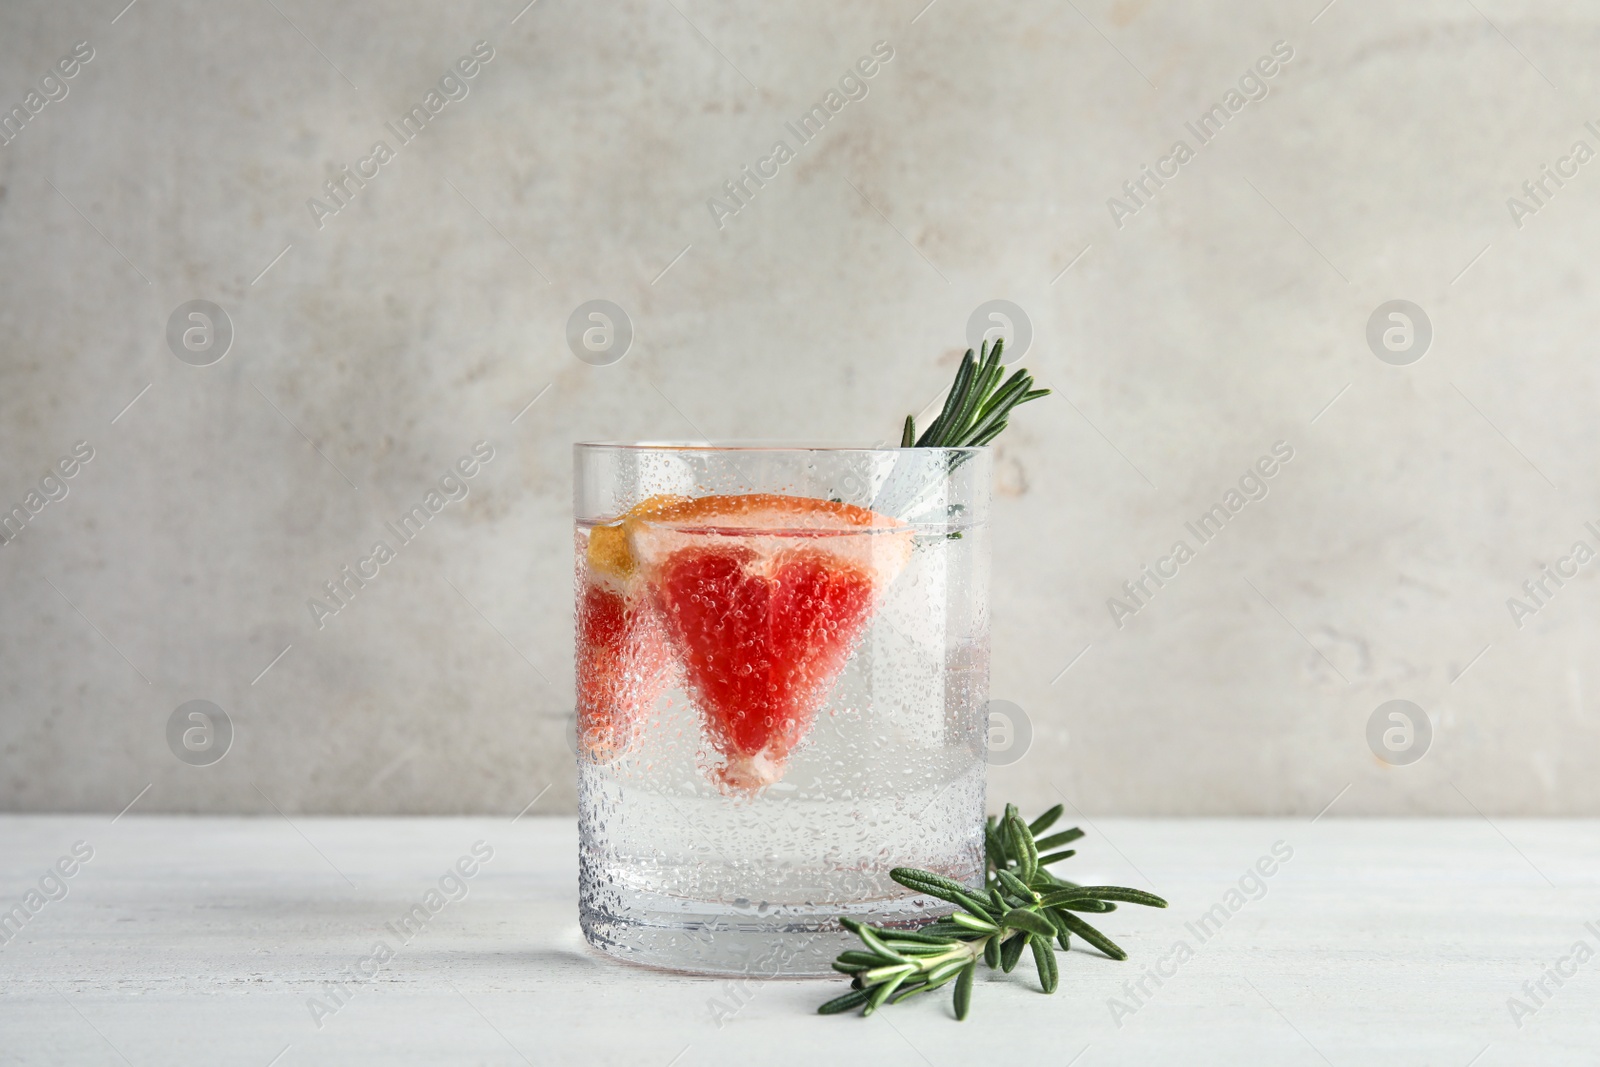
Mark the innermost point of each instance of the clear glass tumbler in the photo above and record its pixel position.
(782, 674)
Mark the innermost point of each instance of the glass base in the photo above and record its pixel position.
(756, 886)
(754, 942)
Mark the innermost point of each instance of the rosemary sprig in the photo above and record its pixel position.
(977, 406)
(1022, 906)
(976, 411)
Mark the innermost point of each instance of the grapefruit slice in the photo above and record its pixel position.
(764, 598)
(622, 654)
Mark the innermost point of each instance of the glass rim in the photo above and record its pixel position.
(762, 445)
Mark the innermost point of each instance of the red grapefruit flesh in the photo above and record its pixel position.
(764, 598)
(621, 668)
(622, 654)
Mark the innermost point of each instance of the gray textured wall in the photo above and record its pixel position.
(1185, 334)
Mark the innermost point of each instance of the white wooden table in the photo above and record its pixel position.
(210, 941)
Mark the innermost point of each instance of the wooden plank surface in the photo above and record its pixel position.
(213, 941)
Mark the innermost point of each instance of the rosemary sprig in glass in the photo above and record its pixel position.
(977, 406)
(976, 410)
(1022, 907)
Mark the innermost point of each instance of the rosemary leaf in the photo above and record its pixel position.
(1010, 883)
(935, 433)
(882, 993)
(1011, 951)
(1065, 837)
(972, 922)
(1047, 820)
(853, 999)
(875, 944)
(1127, 896)
(963, 998)
(991, 839)
(1091, 935)
(993, 432)
(1000, 904)
(1092, 907)
(935, 885)
(920, 936)
(1029, 921)
(981, 384)
(910, 989)
(1044, 958)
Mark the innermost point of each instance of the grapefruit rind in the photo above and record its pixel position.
(609, 556)
(774, 525)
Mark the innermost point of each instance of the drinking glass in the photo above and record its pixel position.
(782, 672)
